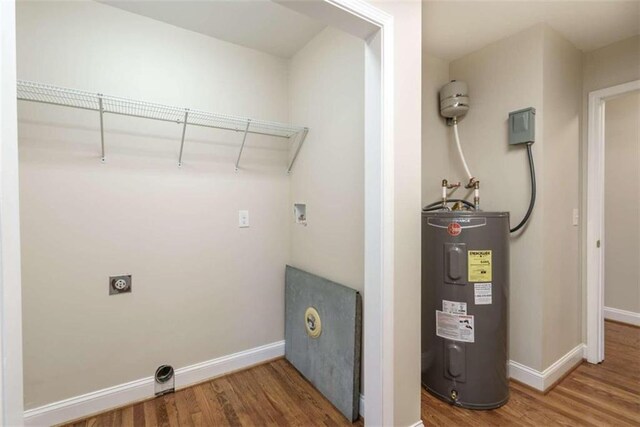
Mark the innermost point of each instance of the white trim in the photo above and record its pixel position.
(11, 383)
(123, 394)
(623, 316)
(418, 424)
(364, 20)
(594, 257)
(543, 380)
(379, 252)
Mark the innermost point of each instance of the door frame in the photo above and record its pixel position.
(596, 242)
(363, 20)
(11, 391)
(357, 17)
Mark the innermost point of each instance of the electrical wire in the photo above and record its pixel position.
(532, 201)
(433, 208)
(464, 162)
(438, 205)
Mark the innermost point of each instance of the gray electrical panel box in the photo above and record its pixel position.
(522, 126)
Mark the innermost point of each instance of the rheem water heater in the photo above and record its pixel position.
(465, 286)
(465, 277)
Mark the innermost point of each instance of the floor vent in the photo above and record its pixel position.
(165, 380)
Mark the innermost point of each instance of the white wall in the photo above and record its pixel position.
(612, 65)
(199, 281)
(436, 139)
(503, 77)
(560, 177)
(534, 68)
(327, 94)
(622, 203)
(326, 89)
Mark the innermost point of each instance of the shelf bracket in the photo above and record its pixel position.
(184, 131)
(102, 158)
(303, 136)
(104, 104)
(244, 139)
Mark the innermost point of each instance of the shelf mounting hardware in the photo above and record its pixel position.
(184, 131)
(102, 159)
(105, 104)
(303, 136)
(244, 139)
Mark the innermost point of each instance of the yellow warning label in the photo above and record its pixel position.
(479, 266)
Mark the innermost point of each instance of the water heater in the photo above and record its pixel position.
(465, 286)
(465, 276)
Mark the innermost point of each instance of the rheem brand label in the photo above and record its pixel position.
(454, 229)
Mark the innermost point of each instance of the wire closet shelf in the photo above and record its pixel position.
(104, 104)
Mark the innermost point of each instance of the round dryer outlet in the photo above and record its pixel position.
(119, 284)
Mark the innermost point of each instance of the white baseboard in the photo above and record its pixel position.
(623, 316)
(119, 395)
(545, 379)
(418, 424)
(123, 394)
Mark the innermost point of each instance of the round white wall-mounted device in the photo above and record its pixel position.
(312, 322)
(454, 99)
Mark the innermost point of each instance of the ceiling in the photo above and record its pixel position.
(451, 29)
(256, 24)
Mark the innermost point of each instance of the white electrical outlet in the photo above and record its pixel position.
(243, 219)
(576, 217)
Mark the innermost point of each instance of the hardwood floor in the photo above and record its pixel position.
(276, 394)
(607, 394)
(273, 394)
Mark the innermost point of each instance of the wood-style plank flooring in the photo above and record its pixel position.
(276, 394)
(273, 394)
(607, 394)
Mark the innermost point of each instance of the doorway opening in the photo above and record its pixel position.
(611, 264)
